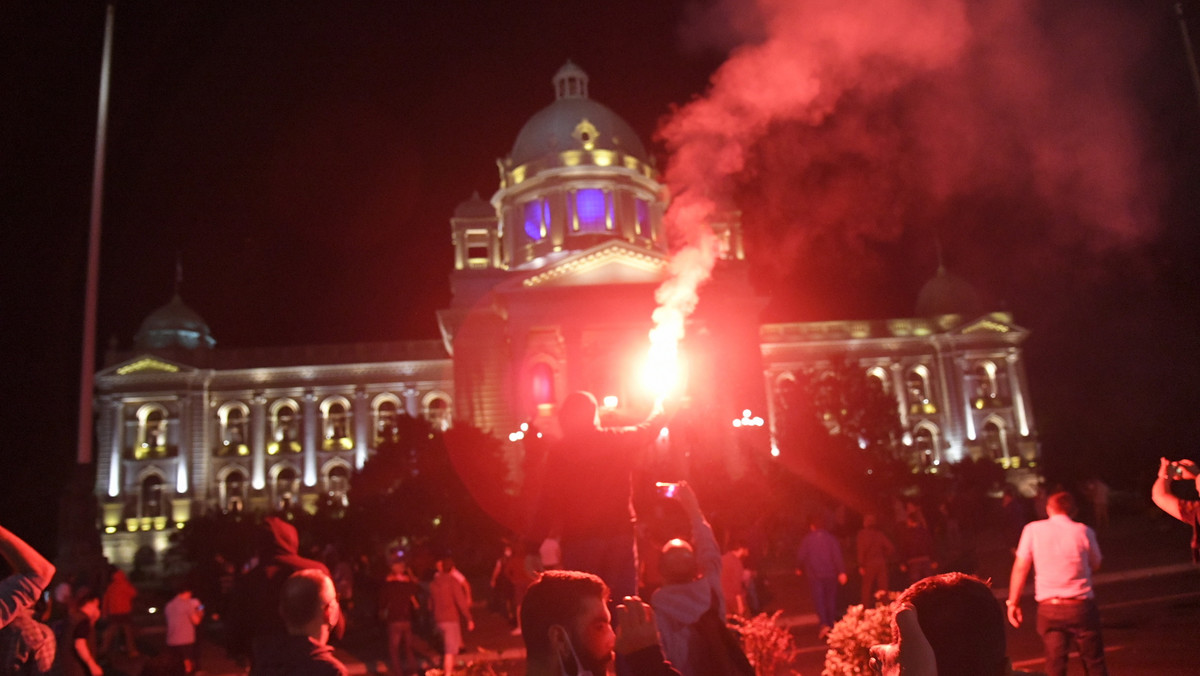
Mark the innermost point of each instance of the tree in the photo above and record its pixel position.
(840, 429)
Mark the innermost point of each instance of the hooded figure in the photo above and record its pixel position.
(257, 593)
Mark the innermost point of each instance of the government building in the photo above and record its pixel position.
(552, 291)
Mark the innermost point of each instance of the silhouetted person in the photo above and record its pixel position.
(820, 560)
(117, 607)
(451, 607)
(874, 550)
(397, 602)
(78, 657)
(588, 488)
(255, 602)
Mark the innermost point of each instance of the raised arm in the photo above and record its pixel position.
(31, 573)
(1161, 492)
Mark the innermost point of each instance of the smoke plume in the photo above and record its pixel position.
(849, 124)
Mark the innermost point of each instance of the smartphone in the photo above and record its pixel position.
(667, 489)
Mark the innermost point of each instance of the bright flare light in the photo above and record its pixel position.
(660, 375)
(610, 401)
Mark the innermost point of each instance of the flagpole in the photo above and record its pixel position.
(88, 362)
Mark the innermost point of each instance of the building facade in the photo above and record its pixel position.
(553, 288)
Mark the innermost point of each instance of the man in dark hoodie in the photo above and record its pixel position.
(309, 609)
(257, 594)
(692, 584)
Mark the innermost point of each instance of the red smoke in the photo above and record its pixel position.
(851, 123)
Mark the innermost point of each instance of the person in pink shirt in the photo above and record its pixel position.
(1064, 553)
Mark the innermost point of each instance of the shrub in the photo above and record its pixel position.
(851, 638)
(768, 645)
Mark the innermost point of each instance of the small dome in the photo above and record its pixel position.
(475, 207)
(174, 325)
(574, 122)
(948, 294)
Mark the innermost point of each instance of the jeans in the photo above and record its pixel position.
(824, 591)
(1059, 623)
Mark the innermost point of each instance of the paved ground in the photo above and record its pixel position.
(1143, 549)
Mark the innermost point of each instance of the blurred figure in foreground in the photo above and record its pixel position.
(567, 629)
(945, 624)
(309, 608)
(31, 573)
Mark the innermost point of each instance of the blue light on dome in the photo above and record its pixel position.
(533, 220)
(590, 209)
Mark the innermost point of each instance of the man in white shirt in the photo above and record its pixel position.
(183, 613)
(1064, 553)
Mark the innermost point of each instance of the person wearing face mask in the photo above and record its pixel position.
(568, 630)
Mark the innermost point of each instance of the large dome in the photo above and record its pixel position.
(174, 325)
(948, 294)
(574, 122)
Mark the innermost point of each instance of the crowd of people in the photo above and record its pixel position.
(573, 587)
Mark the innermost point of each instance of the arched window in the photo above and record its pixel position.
(591, 210)
(925, 448)
(337, 481)
(337, 425)
(387, 416)
(541, 384)
(880, 377)
(919, 399)
(233, 491)
(285, 428)
(437, 412)
(995, 441)
(984, 377)
(152, 433)
(287, 484)
(234, 430)
(151, 500)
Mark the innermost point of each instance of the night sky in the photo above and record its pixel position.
(301, 160)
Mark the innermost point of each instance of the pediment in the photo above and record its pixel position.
(145, 364)
(609, 263)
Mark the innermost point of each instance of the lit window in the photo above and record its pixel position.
(537, 215)
(643, 217)
(591, 210)
(542, 383)
(286, 484)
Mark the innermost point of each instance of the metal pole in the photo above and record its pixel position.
(1187, 46)
(88, 361)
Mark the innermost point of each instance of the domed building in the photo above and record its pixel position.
(553, 288)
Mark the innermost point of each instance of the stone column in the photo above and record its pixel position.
(114, 451)
(410, 402)
(1016, 386)
(312, 438)
(258, 442)
(362, 426)
(901, 389)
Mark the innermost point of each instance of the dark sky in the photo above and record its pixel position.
(302, 161)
